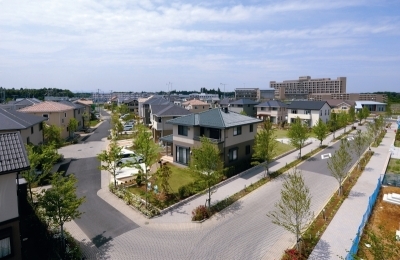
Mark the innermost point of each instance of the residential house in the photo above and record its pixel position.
(79, 109)
(29, 126)
(55, 113)
(372, 106)
(13, 160)
(233, 134)
(20, 103)
(87, 103)
(132, 104)
(275, 111)
(309, 111)
(144, 107)
(340, 106)
(244, 106)
(196, 106)
(160, 114)
(225, 102)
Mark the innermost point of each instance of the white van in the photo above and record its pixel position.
(129, 156)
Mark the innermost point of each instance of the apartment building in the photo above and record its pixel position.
(203, 96)
(305, 85)
(350, 96)
(254, 94)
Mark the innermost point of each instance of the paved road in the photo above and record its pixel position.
(100, 222)
(240, 232)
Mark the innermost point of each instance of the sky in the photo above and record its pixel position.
(159, 45)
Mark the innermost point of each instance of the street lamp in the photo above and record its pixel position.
(224, 87)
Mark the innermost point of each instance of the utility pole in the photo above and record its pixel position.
(169, 84)
(224, 87)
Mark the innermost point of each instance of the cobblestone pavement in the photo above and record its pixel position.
(242, 231)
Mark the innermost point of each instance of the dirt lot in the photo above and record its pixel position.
(384, 214)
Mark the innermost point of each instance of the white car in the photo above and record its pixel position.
(129, 156)
(128, 127)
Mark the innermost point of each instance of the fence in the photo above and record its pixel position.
(372, 199)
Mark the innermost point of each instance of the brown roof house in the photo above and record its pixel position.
(13, 159)
(339, 106)
(196, 106)
(56, 113)
(29, 126)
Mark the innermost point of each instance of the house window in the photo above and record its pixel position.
(5, 243)
(274, 109)
(307, 112)
(294, 111)
(182, 130)
(62, 120)
(46, 116)
(40, 126)
(159, 120)
(344, 108)
(195, 107)
(65, 114)
(325, 112)
(31, 129)
(28, 140)
(251, 128)
(237, 130)
(320, 113)
(233, 154)
(263, 108)
(182, 154)
(247, 149)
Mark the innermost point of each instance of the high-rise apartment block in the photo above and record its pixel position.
(305, 85)
(255, 94)
(350, 96)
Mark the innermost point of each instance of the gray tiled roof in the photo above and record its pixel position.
(225, 101)
(129, 100)
(311, 105)
(215, 118)
(27, 101)
(13, 155)
(272, 103)
(156, 101)
(244, 101)
(168, 110)
(14, 120)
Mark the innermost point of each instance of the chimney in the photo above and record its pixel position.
(226, 110)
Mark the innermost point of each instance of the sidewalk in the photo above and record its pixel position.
(182, 214)
(338, 237)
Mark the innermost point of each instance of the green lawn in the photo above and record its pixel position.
(282, 133)
(94, 122)
(283, 148)
(394, 166)
(180, 176)
(397, 143)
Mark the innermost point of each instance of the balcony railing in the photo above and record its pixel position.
(215, 141)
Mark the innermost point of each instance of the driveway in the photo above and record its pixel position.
(100, 222)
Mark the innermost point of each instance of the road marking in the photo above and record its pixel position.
(326, 156)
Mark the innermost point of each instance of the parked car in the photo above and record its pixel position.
(129, 156)
(130, 122)
(128, 127)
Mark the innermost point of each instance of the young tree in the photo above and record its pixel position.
(360, 115)
(52, 134)
(60, 203)
(293, 210)
(333, 123)
(320, 130)
(298, 134)
(206, 161)
(358, 145)
(339, 162)
(123, 109)
(388, 112)
(30, 175)
(48, 157)
(86, 120)
(72, 126)
(265, 146)
(163, 174)
(145, 147)
(109, 159)
(343, 118)
(352, 115)
(365, 112)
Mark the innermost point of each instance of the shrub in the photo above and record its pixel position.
(182, 192)
(200, 213)
(139, 179)
(291, 254)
